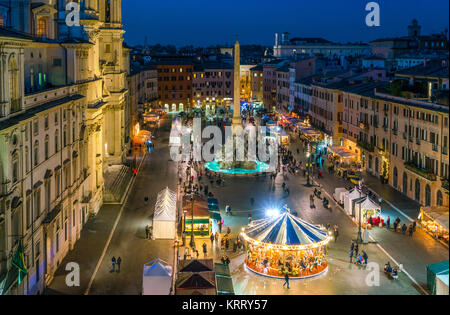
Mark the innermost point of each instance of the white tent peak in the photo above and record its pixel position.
(369, 204)
(166, 205)
(157, 268)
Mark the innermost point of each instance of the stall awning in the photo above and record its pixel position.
(342, 152)
(197, 221)
(438, 214)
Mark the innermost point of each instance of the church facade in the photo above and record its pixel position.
(63, 96)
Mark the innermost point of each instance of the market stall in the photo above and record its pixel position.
(339, 195)
(434, 220)
(286, 244)
(156, 278)
(349, 200)
(342, 158)
(165, 215)
(196, 216)
(437, 278)
(370, 212)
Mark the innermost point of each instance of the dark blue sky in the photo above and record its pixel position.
(210, 22)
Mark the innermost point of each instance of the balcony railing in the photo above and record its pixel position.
(395, 131)
(366, 146)
(418, 141)
(435, 147)
(420, 171)
(444, 150)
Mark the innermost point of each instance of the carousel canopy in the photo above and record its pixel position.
(285, 229)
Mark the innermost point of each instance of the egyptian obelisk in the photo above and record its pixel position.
(237, 119)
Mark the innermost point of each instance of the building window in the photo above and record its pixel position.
(65, 137)
(15, 168)
(57, 183)
(439, 198)
(14, 86)
(56, 141)
(42, 27)
(46, 147)
(36, 153)
(37, 203)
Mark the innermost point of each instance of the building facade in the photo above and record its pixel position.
(212, 85)
(63, 95)
(175, 84)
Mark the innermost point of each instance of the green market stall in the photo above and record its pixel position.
(196, 216)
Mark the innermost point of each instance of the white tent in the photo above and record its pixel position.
(349, 200)
(165, 216)
(339, 195)
(367, 207)
(156, 278)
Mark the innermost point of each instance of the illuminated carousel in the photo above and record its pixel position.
(286, 244)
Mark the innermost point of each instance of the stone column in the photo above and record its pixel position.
(237, 120)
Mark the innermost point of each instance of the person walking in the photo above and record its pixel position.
(365, 257)
(411, 230)
(336, 233)
(388, 223)
(286, 280)
(113, 261)
(146, 232)
(204, 249)
(356, 249)
(350, 254)
(119, 261)
(212, 237)
(404, 228)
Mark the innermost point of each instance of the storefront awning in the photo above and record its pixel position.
(438, 214)
(342, 152)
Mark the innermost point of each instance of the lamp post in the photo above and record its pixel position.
(308, 168)
(359, 238)
(192, 243)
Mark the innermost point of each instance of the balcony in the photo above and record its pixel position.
(435, 147)
(411, 166)
(417, 141)
(366, 146)
(395, 131)
(444, 150)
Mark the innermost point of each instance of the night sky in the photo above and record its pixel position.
(211, 22)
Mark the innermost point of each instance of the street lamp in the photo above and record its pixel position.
(308, 168)
(192, 243)
(359, 238)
